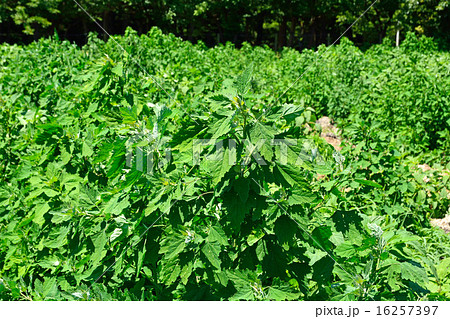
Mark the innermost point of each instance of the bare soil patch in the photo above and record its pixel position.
(330, 132)
(443, 223)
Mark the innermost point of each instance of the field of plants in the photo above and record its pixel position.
(178, 172)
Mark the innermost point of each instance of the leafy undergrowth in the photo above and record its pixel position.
(187, 182)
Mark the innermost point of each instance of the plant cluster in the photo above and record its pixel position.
(158, 174)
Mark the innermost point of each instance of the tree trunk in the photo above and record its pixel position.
(85, 27)
(313, 34)
(383, 33)
(106, 23)
(282, 32)
(292, 31)
(259, 28)
(85, 31)
(191, 31)
(247, 31)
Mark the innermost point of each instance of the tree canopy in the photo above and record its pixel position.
(295, 23)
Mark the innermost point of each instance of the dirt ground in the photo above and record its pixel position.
(443, 223)
(330, 132)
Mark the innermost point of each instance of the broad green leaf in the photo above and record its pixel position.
(294, 175)
(421, 196)
(261, 250)
(50, 287)
(86, 150)
(254, 237)
(50, 192)
(315, 256)
(243, 80)
(49, 262)
(345, 250)
(39, 211)
(243, 284)
(368, 183)
(217, 165)
(242, 187)
(285, 229)
(217, 235)
(301, 196)
(414, 273)
(291, 111)
(115, 234)
(212, 251)
(57, 237)
(221, 128)
(99, 241)
(118, 69)
(185, 272)
(172, 245)
(281, 293)
(174, 274)
(116, 205)
(392, 280)
(262, 135)
(140, 258)
(236, 212)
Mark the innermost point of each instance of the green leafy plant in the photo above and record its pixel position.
(209, 186)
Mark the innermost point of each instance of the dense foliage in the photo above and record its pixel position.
(278, 23)
(92, 207)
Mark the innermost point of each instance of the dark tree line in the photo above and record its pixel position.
(278, 23)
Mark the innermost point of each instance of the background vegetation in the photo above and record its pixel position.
(295, 23)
